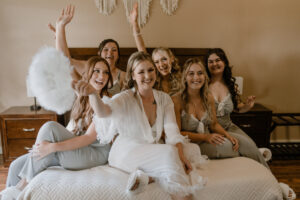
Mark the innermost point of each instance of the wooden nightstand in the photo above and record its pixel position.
(256, 123)
(19, 128)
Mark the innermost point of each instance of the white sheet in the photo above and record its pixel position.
(234, 179)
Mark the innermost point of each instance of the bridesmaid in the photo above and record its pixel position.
(169, 72)
(224, 90)
(196, 116)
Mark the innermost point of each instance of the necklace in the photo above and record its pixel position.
(194, 108)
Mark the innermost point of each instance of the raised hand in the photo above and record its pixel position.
(52, 28)
(134, 14)
(83, 88)
(66, 15)
(250, 101)
(65, 18)
(245, 107)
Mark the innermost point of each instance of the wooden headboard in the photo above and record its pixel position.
(181, 53)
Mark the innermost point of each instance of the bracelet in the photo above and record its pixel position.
(137, 33)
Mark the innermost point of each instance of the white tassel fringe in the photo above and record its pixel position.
(105, 6)
(169, 6)
(143, 9)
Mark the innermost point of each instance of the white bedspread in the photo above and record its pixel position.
(232, 179)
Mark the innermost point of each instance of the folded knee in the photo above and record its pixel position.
(46, 130)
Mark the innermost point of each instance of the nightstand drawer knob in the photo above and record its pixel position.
(28, 129)
(245, 125)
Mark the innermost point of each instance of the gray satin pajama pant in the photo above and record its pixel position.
(247, 147)
(28, 166)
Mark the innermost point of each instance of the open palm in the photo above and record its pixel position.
(134, 14)
(66, 15)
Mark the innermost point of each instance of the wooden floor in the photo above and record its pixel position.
(287, 171)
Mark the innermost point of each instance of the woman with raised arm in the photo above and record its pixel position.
(108, 49)
(140, 115)
(68, 147)
(169, 75)
(196, 116)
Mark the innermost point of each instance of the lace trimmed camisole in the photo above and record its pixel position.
(224, 109)
(192, 124)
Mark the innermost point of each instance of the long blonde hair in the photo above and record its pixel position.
(175, 74)
(81, 110)
(135, 59)
(204, 91)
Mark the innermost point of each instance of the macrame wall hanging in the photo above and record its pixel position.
(169, 6)
(143, 7)
(107, 6)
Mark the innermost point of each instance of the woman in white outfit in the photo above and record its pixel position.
(140, 115)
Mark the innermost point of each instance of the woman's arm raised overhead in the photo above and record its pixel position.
(61, 41)
(139, 41)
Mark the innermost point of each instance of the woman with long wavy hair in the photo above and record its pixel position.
(68, 147)
(196, 116)
(224, 90)
(227, 99)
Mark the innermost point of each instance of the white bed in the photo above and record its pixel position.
(234, 179)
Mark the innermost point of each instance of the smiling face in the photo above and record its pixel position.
(163, 62)
(215, 65)
(110, 53)
(195, 77)
(99, 76)
(144, 75)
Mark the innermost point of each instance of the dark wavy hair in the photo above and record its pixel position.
(227, 74)
(104, 42)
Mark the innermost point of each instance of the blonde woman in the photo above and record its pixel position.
(68, 147)
(169, 72)
(196, 116)
(140, 115)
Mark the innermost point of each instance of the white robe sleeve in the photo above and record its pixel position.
(171, 129)
(109, 126)
(71, 125)
(105, 127)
